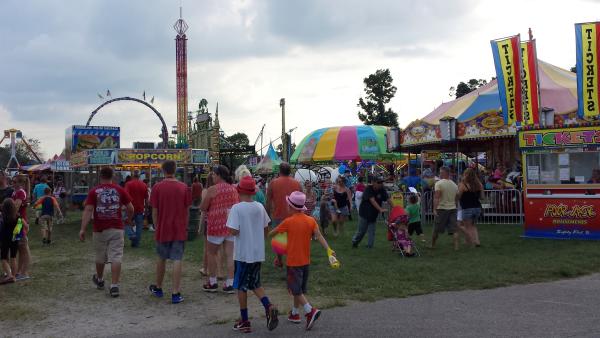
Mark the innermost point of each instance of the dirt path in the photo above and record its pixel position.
(61, 300)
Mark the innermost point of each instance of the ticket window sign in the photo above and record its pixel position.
(582, 167)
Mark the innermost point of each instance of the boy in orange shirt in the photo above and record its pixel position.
(300, 229)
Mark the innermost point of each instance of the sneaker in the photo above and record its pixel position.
(99, 283)
(151, 228)
(272, 320)
(210, 288)
(44, 241)
(312, 317)
(294, 318)
(156, 291)
(354, 245)
(176, 298)
(242, 326)
(114, 292)
(228, 289)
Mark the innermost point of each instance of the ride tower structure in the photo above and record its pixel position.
(181, 27)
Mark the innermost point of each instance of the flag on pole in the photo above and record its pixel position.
(144, 95)
(586, 42)
(108, 93)
(530, 84)
(507, 59)
(152, 100)
(100, 96)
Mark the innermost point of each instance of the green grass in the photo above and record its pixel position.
(365, 275)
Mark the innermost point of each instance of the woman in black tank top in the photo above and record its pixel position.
(470, 191)
(341, 205)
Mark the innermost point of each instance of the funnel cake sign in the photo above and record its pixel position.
(575, 137)
(566, 218)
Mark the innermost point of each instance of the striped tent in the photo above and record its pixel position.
(479, 115)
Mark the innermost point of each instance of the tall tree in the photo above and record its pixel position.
(379, 91)
(463, 88)
(238, 140)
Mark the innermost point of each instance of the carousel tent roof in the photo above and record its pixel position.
(558, 88)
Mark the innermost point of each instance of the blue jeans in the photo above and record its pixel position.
(138, 220)
(364, 227)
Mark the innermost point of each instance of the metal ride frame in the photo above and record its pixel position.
(15, 135)
(164, 132)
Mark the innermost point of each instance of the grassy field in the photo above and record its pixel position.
(370, 274)
(61, 272)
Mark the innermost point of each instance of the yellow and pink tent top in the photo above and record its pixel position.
(479, 115)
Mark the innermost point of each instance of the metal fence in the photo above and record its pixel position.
(498, 207)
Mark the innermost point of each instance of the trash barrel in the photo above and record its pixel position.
(193, 223)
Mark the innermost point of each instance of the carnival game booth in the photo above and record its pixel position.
(562, 182)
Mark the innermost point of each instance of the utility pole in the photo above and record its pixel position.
(284, 150)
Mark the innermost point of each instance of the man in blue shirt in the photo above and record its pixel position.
(38, 192)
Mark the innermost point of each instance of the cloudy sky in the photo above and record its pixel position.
(55, 56)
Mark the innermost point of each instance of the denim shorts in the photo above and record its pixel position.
(170, 250)
(471, 214)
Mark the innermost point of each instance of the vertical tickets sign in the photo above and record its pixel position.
(586, 37)
(507, 59)
(530, 84)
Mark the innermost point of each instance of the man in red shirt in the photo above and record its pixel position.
(170, 202)
(277, 193)
(138, 191)
(196, 192)
(104, 202)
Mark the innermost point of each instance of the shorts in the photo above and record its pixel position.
(9, 249)
(46, 222)
(170, 250)
(297, 279)
(445, 220)
(247, 276)
(415, 227)
(459, 215)
(471, 214)
(218, 240)
(108, 246)
(344, 211)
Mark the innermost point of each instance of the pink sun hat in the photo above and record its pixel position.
(296, 200)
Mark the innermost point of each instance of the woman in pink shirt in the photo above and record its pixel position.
(217, 203)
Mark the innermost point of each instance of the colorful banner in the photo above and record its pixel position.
(586, 41)
(568, 137)
(530, 84)
(507, 59)
(142, 156)
(562, 218)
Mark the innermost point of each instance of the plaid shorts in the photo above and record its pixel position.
(297, 279)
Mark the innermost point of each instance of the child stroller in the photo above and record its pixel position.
(399, 237)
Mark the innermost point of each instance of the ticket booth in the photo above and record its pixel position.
(561, 175)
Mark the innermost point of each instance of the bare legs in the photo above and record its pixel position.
(115, 270)
(161, 267)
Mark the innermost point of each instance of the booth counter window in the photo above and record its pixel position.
(563, 168)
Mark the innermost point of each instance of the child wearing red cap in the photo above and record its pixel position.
(248, 223)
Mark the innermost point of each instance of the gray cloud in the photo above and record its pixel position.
(57, 55)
